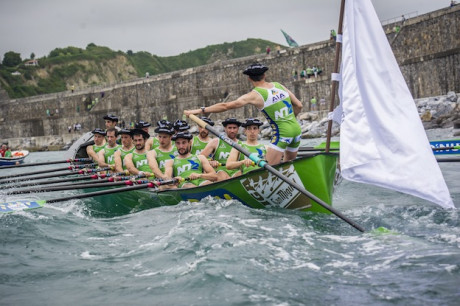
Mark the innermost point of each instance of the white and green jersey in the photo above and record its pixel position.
(280, 114)
(140, 162)
(259, 149)
(123, 153)
(96, 149)
(198, 145)
(163, 156)
(109, 154)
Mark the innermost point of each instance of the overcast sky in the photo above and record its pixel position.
(171, 27)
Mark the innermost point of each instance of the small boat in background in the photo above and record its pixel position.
(17, 157)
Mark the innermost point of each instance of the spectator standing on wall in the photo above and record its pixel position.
(268, 50)
(313, 103)
(333, 35)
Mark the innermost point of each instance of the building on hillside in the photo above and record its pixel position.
(33, 62)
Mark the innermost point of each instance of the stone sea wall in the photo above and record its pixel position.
(427, 48)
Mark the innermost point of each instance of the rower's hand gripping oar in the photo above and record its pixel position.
(263, 164)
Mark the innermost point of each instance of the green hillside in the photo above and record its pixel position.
(98, 65)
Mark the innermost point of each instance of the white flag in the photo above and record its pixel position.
(382, 140)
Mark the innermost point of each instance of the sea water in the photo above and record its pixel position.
(218, 252)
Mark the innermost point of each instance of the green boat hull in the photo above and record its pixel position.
(256, 189)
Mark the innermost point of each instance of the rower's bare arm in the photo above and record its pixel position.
(153, 164)
(209, 172)
(232, 160)
(210, 147)
(296, 104)
(249, 98)
(118, 161)
(169, 168)
(91, 153)
(100, 159)
(129, 164)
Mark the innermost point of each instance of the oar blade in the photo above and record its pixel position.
(13, 206)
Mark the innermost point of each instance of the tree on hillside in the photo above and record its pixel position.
(11, 59)
(130, 52)
(32, 55)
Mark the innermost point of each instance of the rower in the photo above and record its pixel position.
(145, 126)
(220, 150)
(155, 142)
(127, 147)
(111, 121)
(187, 166)
(200, 141)
(237, 160)
(136, 162)
(165, 151)
(105, 157)
(99, 144)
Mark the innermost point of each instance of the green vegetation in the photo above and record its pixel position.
(72, 65)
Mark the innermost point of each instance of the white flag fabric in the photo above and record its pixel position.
(382, 140)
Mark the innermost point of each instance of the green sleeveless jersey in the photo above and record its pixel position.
(108, 154)
(98, 148)
(198, 145)
(155, 143)
(183, 167)
(278, 111)
(163, 156)
(123, 153)
(259, 149)
(223, 151)
(140, 162)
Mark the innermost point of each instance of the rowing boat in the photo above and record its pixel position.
(256, 189)
(17, 157)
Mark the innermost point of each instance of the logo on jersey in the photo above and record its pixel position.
(141, 163)
(277, 95)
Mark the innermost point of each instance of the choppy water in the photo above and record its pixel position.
(219, 252)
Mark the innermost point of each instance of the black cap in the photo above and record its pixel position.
(111, 118)
(165, 129)
(252, 121)
(126, 131)
(140, 132)
(184, 135)
(99, 131)
(142, 124)
(181, 125)
(207, 120)
(255, 69)
(164, 123)
(231, 121)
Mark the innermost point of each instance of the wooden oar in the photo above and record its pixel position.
(9, 207)
(263, 164)
(53, 175)
(77, 160)
(48, 170)
(71, 179)
(95, 184)
(80, 185)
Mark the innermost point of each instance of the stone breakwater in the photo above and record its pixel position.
(435, 112)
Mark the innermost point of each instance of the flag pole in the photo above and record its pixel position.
(338, 48)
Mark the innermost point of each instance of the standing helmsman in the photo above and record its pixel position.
(278, 104)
